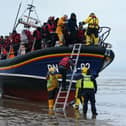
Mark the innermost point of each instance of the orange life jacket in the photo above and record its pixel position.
(11, 53)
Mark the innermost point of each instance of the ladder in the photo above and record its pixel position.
(62, 96)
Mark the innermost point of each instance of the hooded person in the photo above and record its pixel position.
(72, 29)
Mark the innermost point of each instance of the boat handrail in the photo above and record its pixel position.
(104, 32)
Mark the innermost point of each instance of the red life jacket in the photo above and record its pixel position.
(38, 35)
(29, 35)
(16, 38)
(81, 33)
(4, 51)
(50, 27)
(65, 62)
(7, 42)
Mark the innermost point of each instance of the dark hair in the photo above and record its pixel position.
(73, 14)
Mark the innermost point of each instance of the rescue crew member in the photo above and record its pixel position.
(89, 89)
(92, 30)
(64, 67)
(79, 86)
(52, 84)
(60, 29)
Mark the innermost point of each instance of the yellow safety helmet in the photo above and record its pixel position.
(84, 69)
(52, 69)
(92, 14)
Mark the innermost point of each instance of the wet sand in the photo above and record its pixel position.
(110, 102)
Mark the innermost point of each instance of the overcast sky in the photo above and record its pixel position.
(111, 13)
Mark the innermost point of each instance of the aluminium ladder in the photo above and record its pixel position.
(62, 96)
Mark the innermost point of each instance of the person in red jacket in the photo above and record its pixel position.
(64, 66)
(37, 34)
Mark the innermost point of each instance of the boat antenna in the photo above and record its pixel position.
(30, 8)
(14, 27)
(32, 2)
(27, 20)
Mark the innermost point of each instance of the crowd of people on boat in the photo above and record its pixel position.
(55, 32)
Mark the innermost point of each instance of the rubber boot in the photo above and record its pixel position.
(50, 104)
(77, 102)
(85, 116)
(88, 40)
(94, 115)
(96, 40)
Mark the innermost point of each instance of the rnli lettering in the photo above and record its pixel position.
(56, 66)
(53, 65)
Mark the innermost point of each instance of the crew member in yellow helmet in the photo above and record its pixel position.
(52, 84)
(78, 97)
(92, 30)
(88, 88)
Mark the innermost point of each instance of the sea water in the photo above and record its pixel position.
(110, 103)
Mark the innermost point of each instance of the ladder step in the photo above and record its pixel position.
(63, 95)
(63, 91)
(59, 108)
(76, 49)
(60, 103)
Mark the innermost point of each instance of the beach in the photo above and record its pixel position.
(110, 103)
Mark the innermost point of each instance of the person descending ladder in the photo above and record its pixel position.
(62, 96)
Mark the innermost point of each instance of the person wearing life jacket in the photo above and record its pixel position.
(37, 34)
(51, 27)
(30, 39)
(60, 29)
(89, 88)
(22, 50)
(16, 38)
(3, 53)
(64, 66)
(81, 34)
(11, 52)
(52, 84)
(92, 30)
(79, 99)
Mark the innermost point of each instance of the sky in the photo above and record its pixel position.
(111, 13)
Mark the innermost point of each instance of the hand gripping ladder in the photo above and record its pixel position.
(62, 96)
